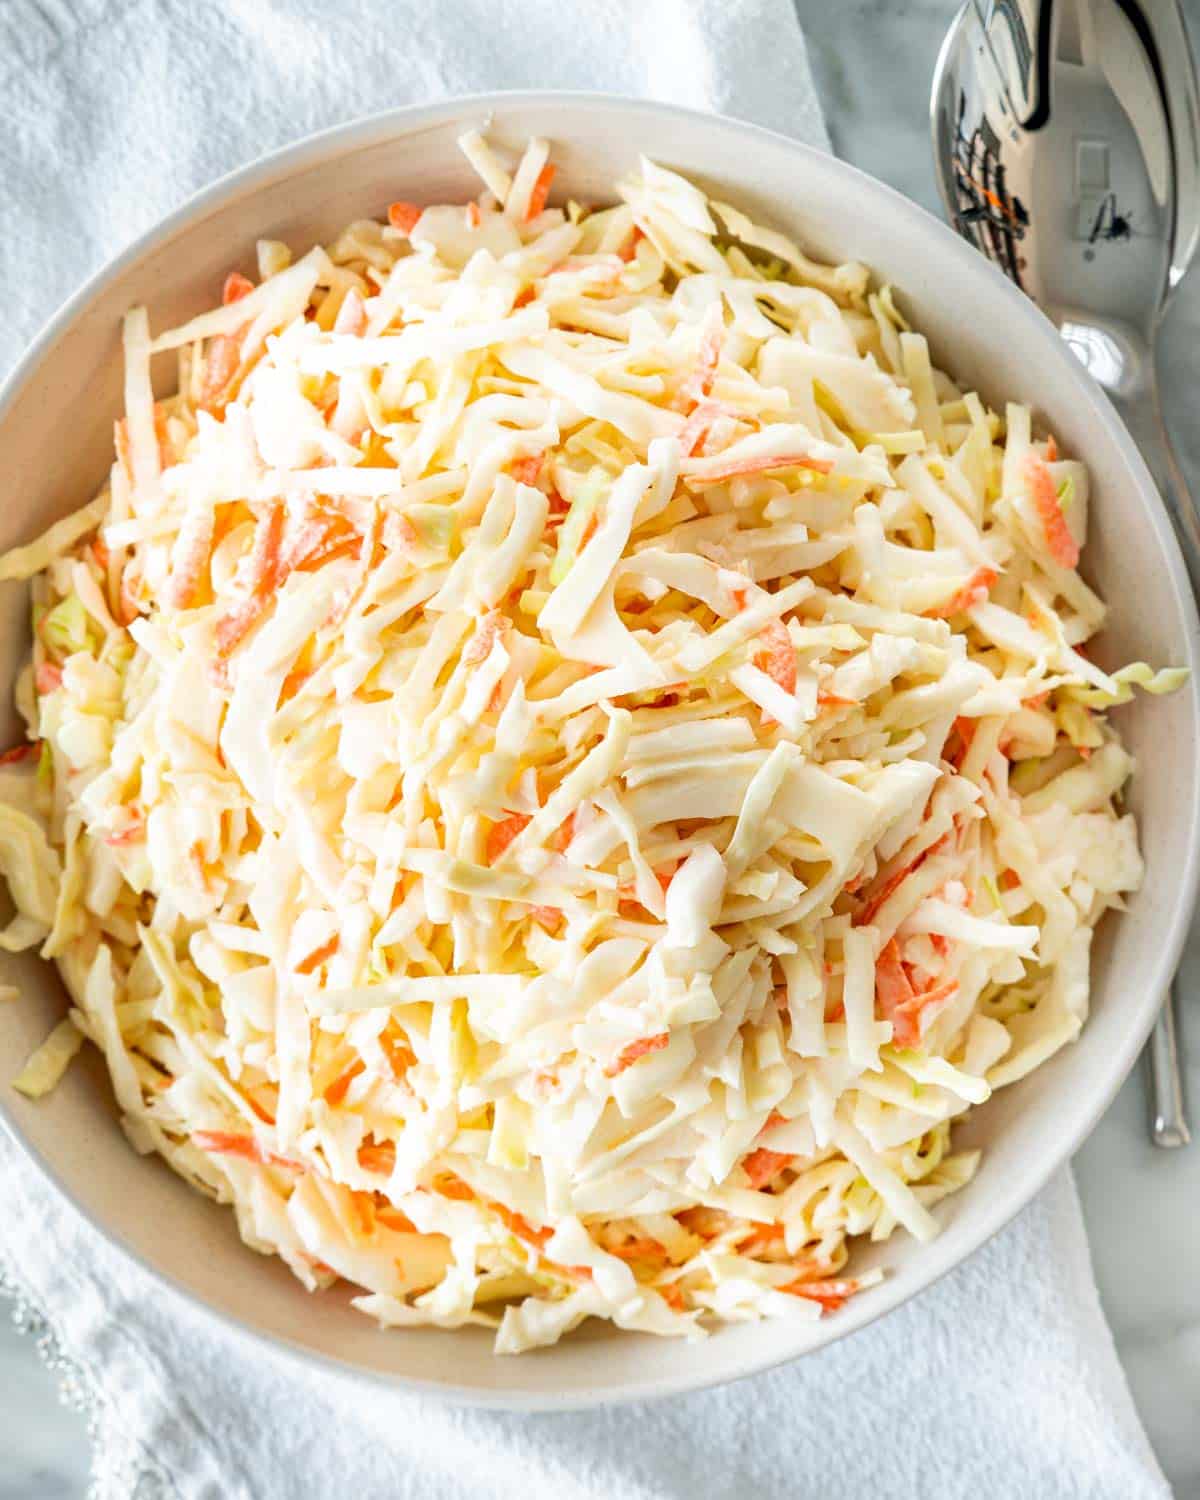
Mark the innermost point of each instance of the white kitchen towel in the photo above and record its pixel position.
(999, 1382)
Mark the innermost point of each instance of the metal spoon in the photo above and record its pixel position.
(1066, 140)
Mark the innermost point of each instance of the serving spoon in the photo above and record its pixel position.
(1066, 139)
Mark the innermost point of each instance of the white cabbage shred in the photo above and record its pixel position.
(560, 762)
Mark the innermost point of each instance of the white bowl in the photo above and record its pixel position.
(56, 417)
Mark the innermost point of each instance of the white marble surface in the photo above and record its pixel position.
(873, 60)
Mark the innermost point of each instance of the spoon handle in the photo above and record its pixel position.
(1168, 1124)
(1142, 413)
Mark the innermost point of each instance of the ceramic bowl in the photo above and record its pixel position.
(56, 416)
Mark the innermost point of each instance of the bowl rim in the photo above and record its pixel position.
(938, 1258)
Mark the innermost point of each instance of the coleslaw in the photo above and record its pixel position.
(562, 761)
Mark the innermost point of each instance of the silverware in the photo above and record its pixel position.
(1066, 138)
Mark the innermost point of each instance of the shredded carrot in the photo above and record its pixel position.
(763, 1166)
(221, 361)
(338, 1089)
(527, 470)
(708, 357)
(292, 684)
(691, 434)
(672, 1295)
(629, 249)
(973, 592)
(521, 1226)
(313, 961)
(133, 832)
(19, 753)
(635, 1050)
(892, 985)
(777, 656)
(1063, 547)
(399, 1054)
(539, 192)
(391, 1218)
(895, 880)
(563, 834)
(47, 678)
(260, 1110)
(195, 547)
(826, 699)
(474, 216)
(547, 917)
(906, 1019)
(536, 1237)
(377, 1156)
(455, 1188)
(501, 834)
(224, 1143)
(1009, 880)
(1051, 450)
(403, 216)
(760, 1237)
(236, 287)
(965, 729)
(761, 465)
(830, 1294)
(479, 647)
(524, 297)
(263, 575)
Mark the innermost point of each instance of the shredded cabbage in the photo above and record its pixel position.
(523, 801)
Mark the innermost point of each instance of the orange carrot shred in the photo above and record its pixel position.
(47, 678)
(635, 1050)
(732, 468)
(894, 881)
(225, 1143)
(393, 1219)
(479, 647)
(19, 753)
(377, 1156)
(236, 287)
(1063, 547)
(313, 961)
(133, 832)
(501, 834)
(708, 357)
(527, 470)
(763, 1166)
(973, 592)
(906, 1019)
(539, 192)
(340, 1086)
(830, 1294)
(403, 216)
(399, 1054)
(263, 575)
(777, 656)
